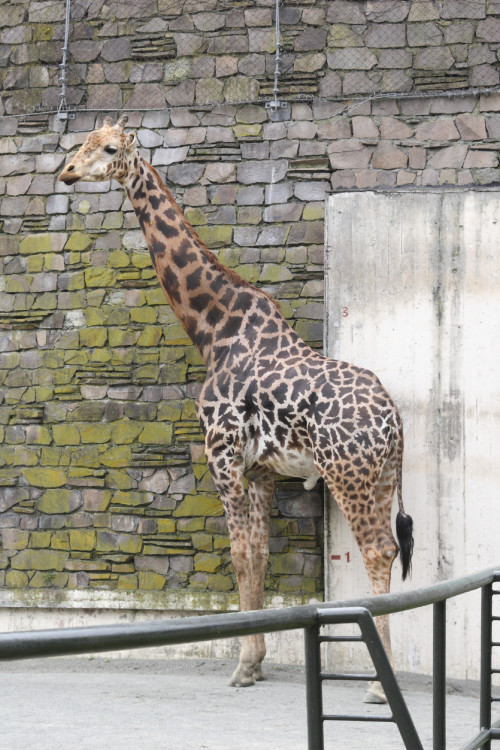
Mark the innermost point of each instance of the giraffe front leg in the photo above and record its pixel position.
(261, 498)
(227, 472)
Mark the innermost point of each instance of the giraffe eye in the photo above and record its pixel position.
(110, 149)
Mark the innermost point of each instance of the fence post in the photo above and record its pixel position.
(439, 676)
(314, 697)
(485, 683)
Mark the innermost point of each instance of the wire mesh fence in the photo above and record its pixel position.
(152, 54)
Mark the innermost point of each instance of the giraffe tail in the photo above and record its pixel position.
(404, 522)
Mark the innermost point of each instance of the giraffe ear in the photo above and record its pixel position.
(108, 121)
(130, 141)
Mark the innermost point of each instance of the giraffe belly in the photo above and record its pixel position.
(289, 463)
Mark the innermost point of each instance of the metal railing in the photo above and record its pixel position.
(310, 618)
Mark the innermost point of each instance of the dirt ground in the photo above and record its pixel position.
(129, 703)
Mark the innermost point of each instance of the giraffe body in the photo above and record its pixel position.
(270, 404)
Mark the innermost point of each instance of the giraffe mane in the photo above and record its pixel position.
(233, 276)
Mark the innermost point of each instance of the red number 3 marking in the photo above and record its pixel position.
(345, 312)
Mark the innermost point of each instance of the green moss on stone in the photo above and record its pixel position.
(117, 457)
(45, 477)
(66, 434)
(31, 559)
(199, 505)
(207, 563)
(54, 501)
(156, 432)
(144, 315)
(149, 581)
(125, 433)
(100, 277)
(216, 236)
(78, 241)
(82, 539)
(15, 579)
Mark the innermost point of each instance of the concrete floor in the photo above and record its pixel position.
(125, 704)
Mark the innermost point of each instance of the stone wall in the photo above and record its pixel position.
(146, 54)
(102, 479)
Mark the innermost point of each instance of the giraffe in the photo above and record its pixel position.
(270, 405)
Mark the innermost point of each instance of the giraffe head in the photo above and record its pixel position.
(106, 153)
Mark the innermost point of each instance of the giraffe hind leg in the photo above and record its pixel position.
(366, 505)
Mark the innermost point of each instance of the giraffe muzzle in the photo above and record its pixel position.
(68, 175)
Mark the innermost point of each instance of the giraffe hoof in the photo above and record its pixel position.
(258, 674)
(241, 682)
(375, 694)
(242, 678)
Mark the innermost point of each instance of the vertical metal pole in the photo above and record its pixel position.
(485, 683)
(439, 676)
(278, 51)
(62, 78)
(314, 697)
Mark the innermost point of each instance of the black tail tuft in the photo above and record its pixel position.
(404, 531)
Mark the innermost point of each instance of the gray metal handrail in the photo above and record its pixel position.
(82, 640)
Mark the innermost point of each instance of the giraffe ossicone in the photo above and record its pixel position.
(270, 404)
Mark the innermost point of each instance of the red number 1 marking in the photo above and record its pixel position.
(339, 557)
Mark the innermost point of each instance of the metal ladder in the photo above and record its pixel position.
(383, 673)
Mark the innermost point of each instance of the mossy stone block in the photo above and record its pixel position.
(166, 526)
(54, 501)
(125, 433)
(45, 477)
(95, 433)
(117, 457)
(100, 277)
(15, 539)
(216, 236)
(59, 540)
(219, 582)
(119, 480)
(149, 581)
(191, 524)
(39, 559)
(78, 241)
(195, 216)
(16, 579)
(144, 315)
(132, 499)
(156, 432)
(131, 543)
(203, 542)
(199, 505)
(35, 243)
(222, 543)
(290, 563)
(82, 539)
(273, 272)
(118, 259)
(48, 579)
(95, 336)
(128, 582)
(66, 434)
(40, 539)
(244, 130)
(207, 563)
(150, 336)
(141, 260)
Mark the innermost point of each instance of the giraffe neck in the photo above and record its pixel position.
(202, 293)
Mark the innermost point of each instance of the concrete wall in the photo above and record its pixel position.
(413, 293)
